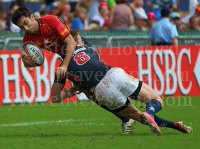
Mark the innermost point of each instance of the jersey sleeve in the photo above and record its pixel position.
(57, 26)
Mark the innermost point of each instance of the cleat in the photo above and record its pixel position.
(180, 126)
(149, 120)
(126, 127)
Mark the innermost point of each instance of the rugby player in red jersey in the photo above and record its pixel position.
(48, 33)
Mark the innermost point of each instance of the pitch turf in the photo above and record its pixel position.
(84, 125)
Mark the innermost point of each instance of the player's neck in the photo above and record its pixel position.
(37, 28)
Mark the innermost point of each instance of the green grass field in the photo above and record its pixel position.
(84, 125)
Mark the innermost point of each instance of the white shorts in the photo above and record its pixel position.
(114, 89)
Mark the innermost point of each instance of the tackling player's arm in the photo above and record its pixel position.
(86, 92)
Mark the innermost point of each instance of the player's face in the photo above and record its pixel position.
(27, 24)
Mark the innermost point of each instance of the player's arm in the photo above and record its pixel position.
(63, 33)
(71, 45)
(86, 92)
(69, 51)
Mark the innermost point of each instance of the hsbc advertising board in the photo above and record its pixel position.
(22, 85)
(169, 70)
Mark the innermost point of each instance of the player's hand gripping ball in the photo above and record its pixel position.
(32, 54)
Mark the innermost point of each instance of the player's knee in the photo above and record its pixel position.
(157, 97)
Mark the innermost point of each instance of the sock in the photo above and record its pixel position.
(124, 120)
(164, 123)
(153, 106)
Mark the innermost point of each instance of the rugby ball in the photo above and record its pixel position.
(33, 49)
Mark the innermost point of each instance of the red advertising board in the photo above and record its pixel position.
(170, 70)
(27, 85)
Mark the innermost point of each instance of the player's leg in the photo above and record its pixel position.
(108, 92)
(154, 104)
(132, 112)
(126, 122)
(148, 96)
(56, 94)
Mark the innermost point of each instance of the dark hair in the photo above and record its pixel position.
(75, 33)
(22, 11)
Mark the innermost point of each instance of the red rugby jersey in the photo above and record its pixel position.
(52, 34)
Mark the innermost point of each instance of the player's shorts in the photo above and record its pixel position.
(115, 88)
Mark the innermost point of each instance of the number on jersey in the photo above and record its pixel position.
(81, 58)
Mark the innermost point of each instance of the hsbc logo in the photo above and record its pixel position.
(171, 76)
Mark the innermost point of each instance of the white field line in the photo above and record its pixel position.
(38, 123)
(52, 122)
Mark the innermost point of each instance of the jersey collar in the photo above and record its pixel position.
(39, 22)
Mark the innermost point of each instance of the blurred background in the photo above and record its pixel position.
(115, 22)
